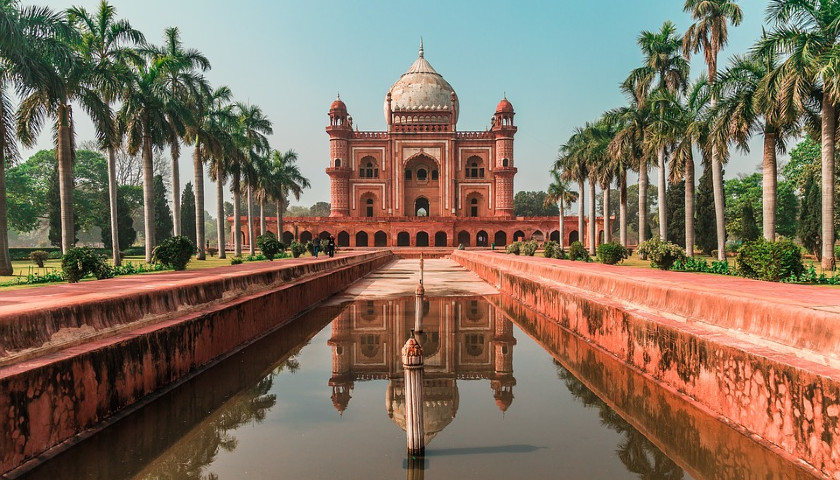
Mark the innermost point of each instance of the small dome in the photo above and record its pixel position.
(421, 88)
(338, 106)
(504, 106)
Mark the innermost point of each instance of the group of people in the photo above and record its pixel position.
(330, 247)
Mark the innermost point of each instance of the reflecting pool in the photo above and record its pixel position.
(509, 394)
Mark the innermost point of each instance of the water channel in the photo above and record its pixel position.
(509, 394)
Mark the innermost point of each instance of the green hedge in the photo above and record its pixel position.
(23, 253)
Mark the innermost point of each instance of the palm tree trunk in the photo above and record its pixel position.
(689, 206)
(581, 216)
(663, 218)
(262, 215)
(5, 260)
(592, 227)
(148, 195)
(643, 206)
(607, 233)
(112, 200)
(717, 188)
(279, 218)
(622, 207)
(251, 247)
(768, 176)
(65, 179)
(237, 216)
(221, 222)
(199, 202)
(560, 229)
(176, 190)
(828, 128)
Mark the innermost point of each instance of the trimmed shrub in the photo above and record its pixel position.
(134, 251)
(174, 252)
(578, 252)
(612, 253)
(770, 261)
(529, 248)
(310, 247)
(661, 254)
(549, 248)
(38, 257)
(297, 249)
(269, 245)
(514, 248)
(236, 261)
(80, 262)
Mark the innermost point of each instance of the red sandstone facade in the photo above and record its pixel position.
(422, 182)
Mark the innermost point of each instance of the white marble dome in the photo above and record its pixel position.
(421, 88)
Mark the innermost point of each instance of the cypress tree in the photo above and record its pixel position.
(675, 196)
(705, 232)
(810, 216)
(749, 228)
(163, 215)
(188, 212)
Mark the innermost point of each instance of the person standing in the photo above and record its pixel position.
(331, 246)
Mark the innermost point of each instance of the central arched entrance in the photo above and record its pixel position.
(422, 239)
(421, 207)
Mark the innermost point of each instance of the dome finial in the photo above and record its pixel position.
(338, 95)
(421, 46)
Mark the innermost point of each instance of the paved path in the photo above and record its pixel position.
(442, 278)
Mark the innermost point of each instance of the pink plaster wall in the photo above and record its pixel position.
(790, 403)
(56, 396)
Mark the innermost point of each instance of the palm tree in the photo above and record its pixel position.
(748, 104)
(220, 165)
(663, 64)
(103, 46)
(250, 138)
(184, 82)
(31, 41)
(807, 33)
(147, 108)
(289, 179)
(572, 162)
(559, 193)
(77, 78)
(709, 33)
(206, 132)
(606, 167)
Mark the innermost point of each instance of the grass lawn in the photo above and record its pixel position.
(22, 268)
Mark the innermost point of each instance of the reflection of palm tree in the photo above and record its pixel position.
(635, 451)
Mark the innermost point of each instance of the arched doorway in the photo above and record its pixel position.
(601, 237)
(573, 236)
(403, 239)
(440, 239)
(518, 236)
(554, 236)
(325, 235)
(538, 236)
(305, 237)
(343, 239)
(500, 239)
(362, 239)
(422, 239)
(380, 239)
(421, 207)
(481, 239)
(288, 238)
(464, 238)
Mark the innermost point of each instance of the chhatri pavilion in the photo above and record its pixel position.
(422, 182)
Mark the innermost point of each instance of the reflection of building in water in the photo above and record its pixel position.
(462, 339)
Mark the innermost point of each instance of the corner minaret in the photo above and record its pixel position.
(340, 130)
(504, 170)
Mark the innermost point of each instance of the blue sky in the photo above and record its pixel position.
(559, 63)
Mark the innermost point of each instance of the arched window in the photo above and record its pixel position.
(369, 207)
(421, 175)
(371, 171)
(505, 162)
(473, 170)
(434, 175)
(474, 207)
(337, 163)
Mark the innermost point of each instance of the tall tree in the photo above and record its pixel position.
(290, 180)
(145, 116)
(806, 31)
(809, 217)
(252, 141)
(560, 194)
(706, 237)
(573, 162)
(709, 33)
(663, 65)
(162, 227)
(188, 225)
(675, 204)
(104, 44)
(184, 82)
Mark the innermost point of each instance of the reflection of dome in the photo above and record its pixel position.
(421, 88)
(440, 403)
